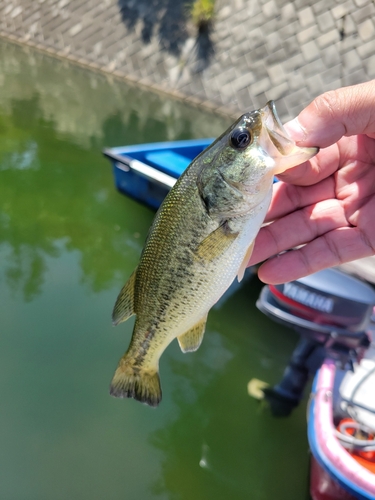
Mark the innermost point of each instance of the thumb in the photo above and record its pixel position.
(346, 111)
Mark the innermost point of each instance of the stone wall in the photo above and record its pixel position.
(256, 50)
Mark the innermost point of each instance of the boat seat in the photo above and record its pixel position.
(169, 162)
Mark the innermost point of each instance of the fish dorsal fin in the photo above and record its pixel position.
(216, 243)
(243, 266)
(192, 339)
(124, 307)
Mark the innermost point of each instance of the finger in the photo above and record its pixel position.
(297, 229)
(333, 248)
(334, 114)
(325, 163)
(287, 198)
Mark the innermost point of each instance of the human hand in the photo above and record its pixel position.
(328, 203)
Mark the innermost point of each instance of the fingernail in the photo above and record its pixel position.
(295, 130)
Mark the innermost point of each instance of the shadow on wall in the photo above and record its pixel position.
(170, 21)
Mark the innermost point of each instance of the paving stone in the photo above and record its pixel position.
(330, 56)
(310, 51)
(332, 74)
(370, 66)
(329, 38)
(291, 47)
(306, 17)
(296, 99)
(257, 54)
(259, 70)
(360, 3)
(296, 80)
(356, 77)
(270, 9)
(278, 56)
(293, 63)
(334, 84)
(349, 43)
(241, 68)
(238, 34)
(364, 13)
(366, 49)
(308, 34)
(272, 41)
(243, 81)
(348, 26)
(283, 48)
(269, 26)
(282, 110)
(260, 86)
(260, 100)
(288, 30)
(325, 21)
(351, 61)
(243, 99)
(339, 11)
(276, 74)
(366, 30)
(278, 91)
(313, 68)
(319, 7)
(288, 12)
(314, 83)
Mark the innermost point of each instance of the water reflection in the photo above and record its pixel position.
(55, 185)
(68, 241)
(91, 109)
(227, 443)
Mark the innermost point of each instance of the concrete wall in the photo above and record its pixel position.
(256, 50)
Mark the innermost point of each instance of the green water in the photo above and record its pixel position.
(68, 241)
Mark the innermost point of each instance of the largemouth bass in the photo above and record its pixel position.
(200, 240)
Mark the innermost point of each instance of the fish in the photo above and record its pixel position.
(201, 238)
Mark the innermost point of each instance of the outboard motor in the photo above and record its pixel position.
(331, 311)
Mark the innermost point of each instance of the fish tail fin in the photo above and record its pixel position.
(130, 381)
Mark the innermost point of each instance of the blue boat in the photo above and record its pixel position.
(146, 172)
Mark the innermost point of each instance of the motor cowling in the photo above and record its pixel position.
(332, 312)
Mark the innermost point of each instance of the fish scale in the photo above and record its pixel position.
(200, 239)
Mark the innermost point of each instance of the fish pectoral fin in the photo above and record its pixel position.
(124, 306)
(243, 266)
(140, 384)
(216, 243)
(192, 339)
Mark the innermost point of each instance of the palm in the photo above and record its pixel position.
(330, 212)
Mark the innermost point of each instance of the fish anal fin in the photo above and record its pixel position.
(216, 243)
(124, 306)
(137, 383)
(192, 339)
(245, 262)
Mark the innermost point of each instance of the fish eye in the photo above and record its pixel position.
(240, 138)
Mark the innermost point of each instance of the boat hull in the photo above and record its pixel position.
(146, 172)
(346, 474)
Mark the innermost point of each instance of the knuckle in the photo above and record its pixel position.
(327, 104)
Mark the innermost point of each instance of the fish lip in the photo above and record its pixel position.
(276, 131)
(288, 153)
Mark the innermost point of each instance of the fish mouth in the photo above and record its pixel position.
(287, 153)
